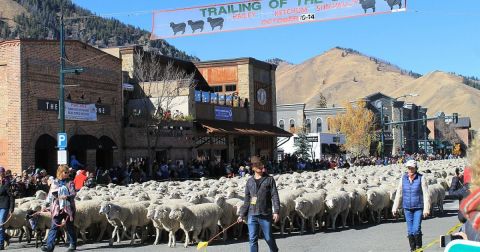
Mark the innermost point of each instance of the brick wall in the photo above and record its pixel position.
(10, 109)
(35, 75)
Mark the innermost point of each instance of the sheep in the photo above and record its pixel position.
(378, 199)
(436, 193)
(214, 22)
(162, 213)
(199, 199)
(151, 212)
(195, 218)
(87, 214)
(197, 25)
(229, 213)
(41, 195)
(287, 207)
(392, 3)
(180, 27)
(358, 203)
(368, 4)
(337, 203)
(310, 206)
(19, 221)
(131, 216)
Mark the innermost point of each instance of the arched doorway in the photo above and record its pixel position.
(45, 153)
(105, 149)
(81, 146)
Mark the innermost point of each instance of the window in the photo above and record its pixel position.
(329, 123)
(319, 125)
(231, 88)
(292, 125)
(217, 89)
(281, 124)
(385, 120)
(308, 126)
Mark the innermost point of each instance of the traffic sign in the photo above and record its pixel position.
(62, 141)
(61, 157)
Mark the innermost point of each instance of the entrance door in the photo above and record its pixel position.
(46, 154)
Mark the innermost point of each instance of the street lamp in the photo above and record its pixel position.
(401, 116)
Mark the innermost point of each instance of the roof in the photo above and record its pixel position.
(226, 127)
(463, 122)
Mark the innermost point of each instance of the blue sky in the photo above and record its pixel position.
(431, 35)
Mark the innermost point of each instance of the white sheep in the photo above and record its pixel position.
(151, 213)
(196, 218)
(310, 206)
(378, 199)
(287, 207)
(337, 203)
(358, 203)
(436, 192)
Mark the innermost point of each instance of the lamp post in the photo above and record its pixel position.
(383, 133)
(401, 117)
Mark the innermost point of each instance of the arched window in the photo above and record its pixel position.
(281, 124)
(319, 125)
(329, 123)
(308, 126)
(292, 125)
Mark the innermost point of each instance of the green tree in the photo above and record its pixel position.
(322, 101)
(302, 146)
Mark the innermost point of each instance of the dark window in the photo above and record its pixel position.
(230, 88)
(319, 125)
(281, 124)
(217, 89)
(385, 120)
(308, 126)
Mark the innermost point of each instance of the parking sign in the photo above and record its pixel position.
(62, 141)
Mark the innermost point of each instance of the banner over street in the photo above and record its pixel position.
(254, 14)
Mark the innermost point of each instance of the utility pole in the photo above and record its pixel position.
(61, 107)
(425, 132)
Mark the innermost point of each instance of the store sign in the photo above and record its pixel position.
(223, 113)
(253, 14)
(51, 105)
(80, 112)
(311, 139)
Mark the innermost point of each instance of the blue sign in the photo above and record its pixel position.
(62, 141)
(223, 113)
(198, 96)
(206, 97)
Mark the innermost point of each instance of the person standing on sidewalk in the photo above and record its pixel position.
(260, 194)
(61, 198)
(7, 204)
(412, 194)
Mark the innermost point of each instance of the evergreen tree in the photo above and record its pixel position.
(322, 101)
(302, 146)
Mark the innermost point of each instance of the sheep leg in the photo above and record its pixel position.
(344, 218)
(282, 225)
(132, 241)
(84, 236)
(312, 224)
(157, 236)
(303, 226)
(334, 219)
(103, 227)
(187, 238)
(290, 219)
(114, 233)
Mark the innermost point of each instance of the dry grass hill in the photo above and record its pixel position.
(343, 76)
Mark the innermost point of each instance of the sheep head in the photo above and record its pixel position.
(301, 204)
(177, 213)
(41, 195)
(220, 200)
(151, 212)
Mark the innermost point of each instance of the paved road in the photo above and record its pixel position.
(388, 236)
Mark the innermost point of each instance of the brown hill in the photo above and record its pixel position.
(343, 76)
(10, 9)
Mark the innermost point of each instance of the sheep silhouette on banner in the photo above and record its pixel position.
(197, 25)
(180, 27)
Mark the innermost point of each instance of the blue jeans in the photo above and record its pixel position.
(264, 222)
(3, 218)
(413, 217)
(52, 234)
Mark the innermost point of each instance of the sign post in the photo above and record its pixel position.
(62, 145)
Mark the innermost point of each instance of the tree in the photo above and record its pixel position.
(357, 124)
(302, 146)
(322, 101)
(161, 85)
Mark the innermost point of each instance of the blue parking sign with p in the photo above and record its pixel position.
(62, 140)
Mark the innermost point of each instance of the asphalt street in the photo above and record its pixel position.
(388, 236)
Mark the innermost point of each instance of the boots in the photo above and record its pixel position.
(418, 241)
(411, 240)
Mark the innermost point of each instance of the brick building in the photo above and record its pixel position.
(29, 87)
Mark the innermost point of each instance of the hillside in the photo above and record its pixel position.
(343, 77)
(38, 20)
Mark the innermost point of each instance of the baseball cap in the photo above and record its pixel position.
(411, 163)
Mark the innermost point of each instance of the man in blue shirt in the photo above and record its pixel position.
(74, 163)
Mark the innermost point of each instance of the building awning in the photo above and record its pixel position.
(232, 128)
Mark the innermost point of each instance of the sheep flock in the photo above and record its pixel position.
(195, 210)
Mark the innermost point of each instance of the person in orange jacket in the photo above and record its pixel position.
(80, 179)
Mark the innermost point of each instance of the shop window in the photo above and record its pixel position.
(231, 88)
(217, 89)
